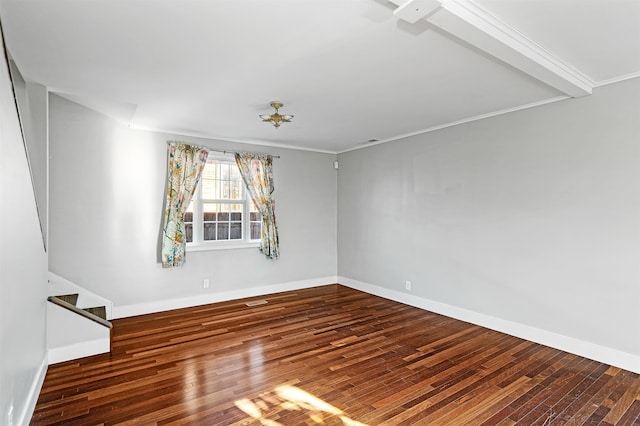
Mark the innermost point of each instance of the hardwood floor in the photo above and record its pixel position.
(329, 355)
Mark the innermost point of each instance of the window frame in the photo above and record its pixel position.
(198, 243)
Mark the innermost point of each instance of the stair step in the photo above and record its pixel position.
(99, 311)
(69, 298)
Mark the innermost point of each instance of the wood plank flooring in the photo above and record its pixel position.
(332, 356)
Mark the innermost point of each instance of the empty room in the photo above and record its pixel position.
(320, 212)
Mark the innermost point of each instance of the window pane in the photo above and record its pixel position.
(225, 190)
(188, 227)
(237, 216)
(221, 180)
(209, 211)
(255, 230)
(207, 180)
(209, 231)
(236, 190)
(223, 231)
(208, 188)
(255, 219)
(215, 190)
(188, 223)
(209, 217)
(225, 169)
(209, 170)
(189, 213)
(236, 231)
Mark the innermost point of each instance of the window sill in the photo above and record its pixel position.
(222, 246)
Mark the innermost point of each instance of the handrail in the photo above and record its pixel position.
(82, 312)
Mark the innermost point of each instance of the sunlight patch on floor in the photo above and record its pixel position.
(291, 398)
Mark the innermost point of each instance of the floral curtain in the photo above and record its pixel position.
(256, 170)
(184, 167)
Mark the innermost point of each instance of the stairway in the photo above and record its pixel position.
(69, 301)
(70, 298)
(77, 322)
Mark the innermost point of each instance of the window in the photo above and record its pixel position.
(221, 212)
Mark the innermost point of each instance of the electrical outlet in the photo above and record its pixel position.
(407, 285)
(205, 283)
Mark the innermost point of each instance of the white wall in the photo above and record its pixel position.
(531, 217)
(88, 337)
(23, 271)
(107, 189)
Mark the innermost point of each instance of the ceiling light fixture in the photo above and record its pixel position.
(276, 118)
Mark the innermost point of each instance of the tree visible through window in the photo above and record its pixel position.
(221, 209)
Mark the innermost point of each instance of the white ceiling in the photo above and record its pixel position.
(348, 70)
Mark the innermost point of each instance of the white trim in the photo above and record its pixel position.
(617, 79)
(221, 245)
(198, 243)
(32, 397)
(79, 350)
(589, 350)
(462, 121)
(475, 25)
(414, 10)
(226, 139)
(204, 299)
(478, 27)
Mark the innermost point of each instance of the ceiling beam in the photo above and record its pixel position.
(467, 21)
(414, 10)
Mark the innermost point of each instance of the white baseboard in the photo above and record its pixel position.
(78, 350)
(589, 350)
(204, 299)
(24, 418)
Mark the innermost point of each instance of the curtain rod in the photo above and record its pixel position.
(233, 152)
(223, 151)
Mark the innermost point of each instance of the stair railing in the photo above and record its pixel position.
(57, 301)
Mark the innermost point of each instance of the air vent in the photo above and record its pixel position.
(256, 303)
(372, 140)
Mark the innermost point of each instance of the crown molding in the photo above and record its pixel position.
(617, 79)
(462, 121)
(227, 139)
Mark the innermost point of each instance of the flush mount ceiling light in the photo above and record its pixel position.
(276, 118)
